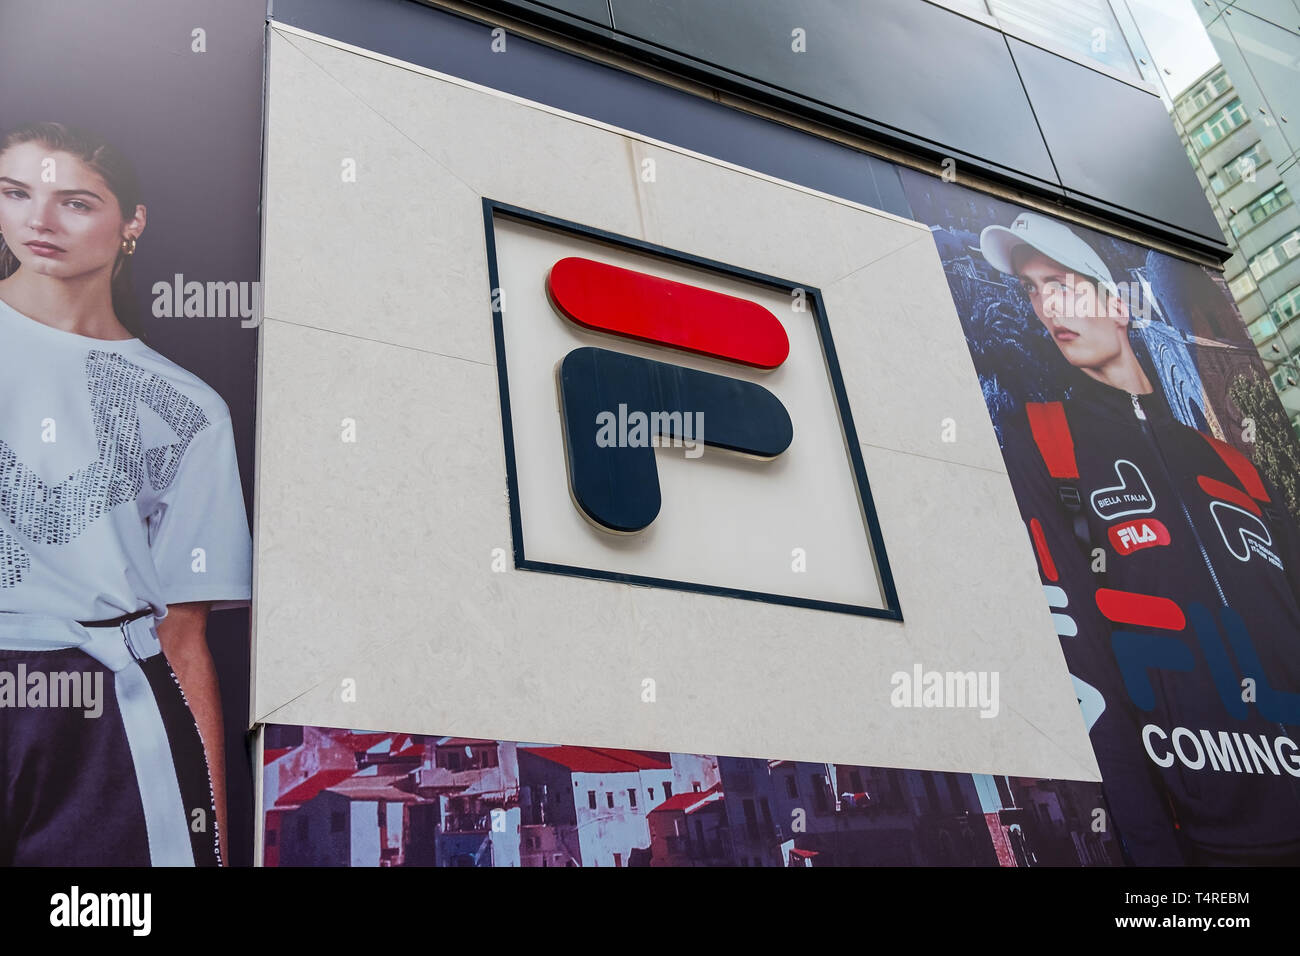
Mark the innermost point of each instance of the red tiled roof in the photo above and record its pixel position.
(273, 754)
(462, 741)
(690, 802)
(405, 747)
(639, 758)
(312, 786)
(359, 743)
(597, 760)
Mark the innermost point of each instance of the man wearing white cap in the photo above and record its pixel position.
(1173, 574)
(1073, 295)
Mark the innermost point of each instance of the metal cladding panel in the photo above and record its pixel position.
(597, 11)
(451, 44)
(1113, 142)
(914, 67)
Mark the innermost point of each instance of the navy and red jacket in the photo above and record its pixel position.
(1173, 571)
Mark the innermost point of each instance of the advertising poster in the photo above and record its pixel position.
(337, 797)
(1156, 475)
(129, 191)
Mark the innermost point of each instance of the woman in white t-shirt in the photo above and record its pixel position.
(122, 523)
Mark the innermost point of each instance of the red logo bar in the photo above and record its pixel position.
(635, 305)
(1225, 492)
(1144, 610)
(1135, 535)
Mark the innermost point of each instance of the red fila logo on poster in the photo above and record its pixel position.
(1135, 535)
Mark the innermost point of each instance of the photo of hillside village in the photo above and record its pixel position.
(335, 797)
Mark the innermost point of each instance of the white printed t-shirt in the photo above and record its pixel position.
(119, 485)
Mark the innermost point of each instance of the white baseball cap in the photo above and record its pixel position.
(1052, 238)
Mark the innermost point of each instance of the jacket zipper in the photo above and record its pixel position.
(1205, 556)
(1187, 515)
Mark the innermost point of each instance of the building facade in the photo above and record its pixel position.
(780, 434)
(1252, 195)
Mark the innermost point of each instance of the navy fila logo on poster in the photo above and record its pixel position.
(628, 392)
(614, 405)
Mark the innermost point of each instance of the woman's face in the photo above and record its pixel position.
(58, 216)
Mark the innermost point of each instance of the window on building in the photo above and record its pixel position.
(338, 821)
(954, 793)
(1262, 329)
(1241, 168)
(1223, 122)
(618, 859)
(895, 789)
(591, 799)
(1286, 307)
(1260, 209)
(767, 812)
(855, 781)
(791, 787)
(453, 760)
(818, 792)
(695, 786)
(1242, 286)
(1004, 792)
(609, 798)
(668, 790)
(1276, 255)
(966, 6)
(1085, 28)
(631, 797)
(1205, 93)
(931, 793)
(751, 819)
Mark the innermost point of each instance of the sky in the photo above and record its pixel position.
(1176, 38)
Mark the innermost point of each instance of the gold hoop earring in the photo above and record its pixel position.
(128, 246)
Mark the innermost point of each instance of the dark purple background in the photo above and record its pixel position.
(191, 123)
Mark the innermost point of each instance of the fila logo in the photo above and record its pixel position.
(1243, 533)
(613, 479)
(1136, 535)
(1132, 496)
(1091, 702)
(1238, 518)
(657, 391)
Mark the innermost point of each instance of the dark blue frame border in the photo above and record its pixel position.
(892, 610)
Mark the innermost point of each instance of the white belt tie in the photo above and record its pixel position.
(118, 647)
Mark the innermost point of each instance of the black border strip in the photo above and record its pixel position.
(892, 610)
(536, 13)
